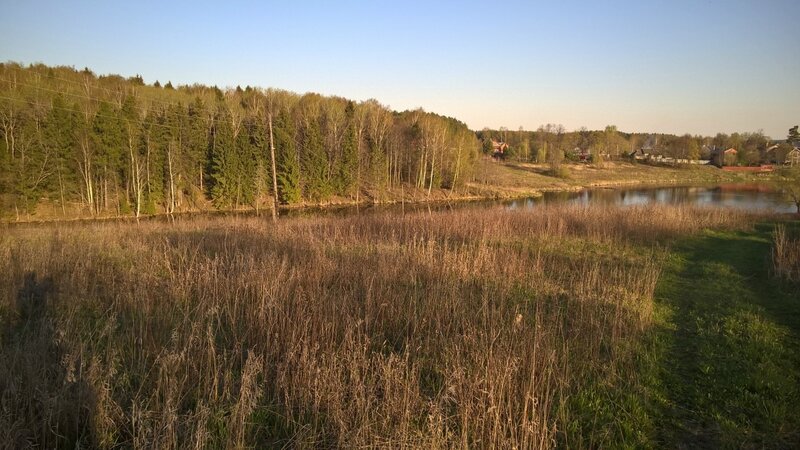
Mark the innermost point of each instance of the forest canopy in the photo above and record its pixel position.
(79, 144)
(91, 145)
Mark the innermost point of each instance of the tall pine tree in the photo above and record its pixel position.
(287, 159)
(109, 142)
(315, 163)
(347, 173)
(223, 160)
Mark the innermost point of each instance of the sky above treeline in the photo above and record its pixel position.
(699, 67)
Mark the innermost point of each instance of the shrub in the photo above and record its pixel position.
(786, 254)
(561, 171)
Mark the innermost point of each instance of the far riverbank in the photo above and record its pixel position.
(492, 181)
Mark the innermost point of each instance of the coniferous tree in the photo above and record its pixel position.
(223, 160)
(287, 159)
(151, 161)
(197, 145)
(348, 165)
(246, 162)
(109, 142)
(161, 137)
(59, 134)
(315, 163)
(256, 162)
(121, 146)
(30, 169)
(132, 171)
(793, 138)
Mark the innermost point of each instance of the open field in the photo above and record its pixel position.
(561, 326)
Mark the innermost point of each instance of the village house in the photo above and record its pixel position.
(646, 151)
(582, 154)
(721, 157)
(793, 157)
(769, 155)
(499, 149)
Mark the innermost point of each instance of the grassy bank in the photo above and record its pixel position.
(509, 179)
(492, 180)
(467, 328)
(727, 339)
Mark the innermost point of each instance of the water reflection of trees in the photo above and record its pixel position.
(676, 195)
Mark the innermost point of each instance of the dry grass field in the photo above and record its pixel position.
(484, 328)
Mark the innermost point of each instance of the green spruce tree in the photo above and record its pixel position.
(223, 161)
(288, 167)
(346, 180)
(315, 163)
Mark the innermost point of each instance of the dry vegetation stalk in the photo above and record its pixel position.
(462, 329)
(786, 254)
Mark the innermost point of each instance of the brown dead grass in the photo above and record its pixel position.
(453, 329)
(786, 254)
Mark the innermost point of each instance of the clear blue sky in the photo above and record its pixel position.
(671, 66)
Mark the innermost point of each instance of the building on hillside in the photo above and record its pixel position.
(769, 155)
(582, 154)
(717, 156)
(648, 151)
(499, 149)
(649, 145)
(721, 157)
(793, 157)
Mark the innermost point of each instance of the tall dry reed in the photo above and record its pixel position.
(459, 329)
(785, 254)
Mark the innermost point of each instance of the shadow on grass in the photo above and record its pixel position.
(532, 170)
(49, 408)
(731, 371)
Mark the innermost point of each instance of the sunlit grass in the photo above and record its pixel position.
(474, 328)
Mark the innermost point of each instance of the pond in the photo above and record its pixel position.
(751, 197)
(744, 196)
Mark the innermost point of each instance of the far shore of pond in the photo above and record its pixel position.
(501, 187)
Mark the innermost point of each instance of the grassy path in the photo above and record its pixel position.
(727, 347)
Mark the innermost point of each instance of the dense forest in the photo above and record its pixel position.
(79, 144)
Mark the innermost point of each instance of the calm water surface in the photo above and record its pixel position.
(751, 197)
